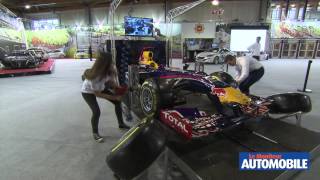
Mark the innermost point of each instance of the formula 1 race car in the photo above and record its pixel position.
(21, 59)
(196, 105)
(193, 105)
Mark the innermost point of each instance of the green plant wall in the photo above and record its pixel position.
(56, 37)
(11, 34)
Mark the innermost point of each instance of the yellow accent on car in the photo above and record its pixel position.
(234, 95)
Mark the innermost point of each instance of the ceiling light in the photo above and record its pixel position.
(215, 2)
(27, 6)
(278, 6)
(293, 5)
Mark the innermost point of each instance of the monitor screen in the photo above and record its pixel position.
(138, 26)
(241, 39)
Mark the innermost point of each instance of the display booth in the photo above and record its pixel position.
(197, 123)
(15, 60)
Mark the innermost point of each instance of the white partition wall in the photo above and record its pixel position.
(241, 39)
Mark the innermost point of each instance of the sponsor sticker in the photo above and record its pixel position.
(274, 161)
(218, 91)
(176, 121)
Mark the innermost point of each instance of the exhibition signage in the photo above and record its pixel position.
(274, 161)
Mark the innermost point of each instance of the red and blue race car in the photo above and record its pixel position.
(189, 106)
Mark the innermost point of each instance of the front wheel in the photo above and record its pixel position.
(149, 97)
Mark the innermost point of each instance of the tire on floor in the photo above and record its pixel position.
(136, 150)
(290, 103)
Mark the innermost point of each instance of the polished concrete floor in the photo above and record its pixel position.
(45, 129)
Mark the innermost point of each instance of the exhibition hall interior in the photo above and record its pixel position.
(159, 89)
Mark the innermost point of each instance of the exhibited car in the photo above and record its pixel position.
(263, 56)
(189, 106)
(199, 103)
(81, 54)
(40, 53)
(56, 54)
(216, 56)
(3, 55)
(21, 59)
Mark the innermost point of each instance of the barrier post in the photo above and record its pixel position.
(306, 80)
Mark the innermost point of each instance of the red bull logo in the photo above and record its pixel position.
(218, 91)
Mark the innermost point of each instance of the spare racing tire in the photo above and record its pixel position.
(136, 150)
(149, 97)
(290, 103)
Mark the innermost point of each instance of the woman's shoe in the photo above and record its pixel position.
(123, 126)
(98, 138)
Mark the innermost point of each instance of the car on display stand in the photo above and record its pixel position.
(40, 53)
(3, 55)
(183, 105)
(215, 56)
(21, 59)
(58, 53)
(81, 54)
(263, 56)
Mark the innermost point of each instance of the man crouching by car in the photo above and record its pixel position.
(248, 71)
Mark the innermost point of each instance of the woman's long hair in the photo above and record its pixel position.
(101, 68)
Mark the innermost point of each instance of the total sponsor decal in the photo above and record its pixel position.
(175, 120)
(274, 161)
